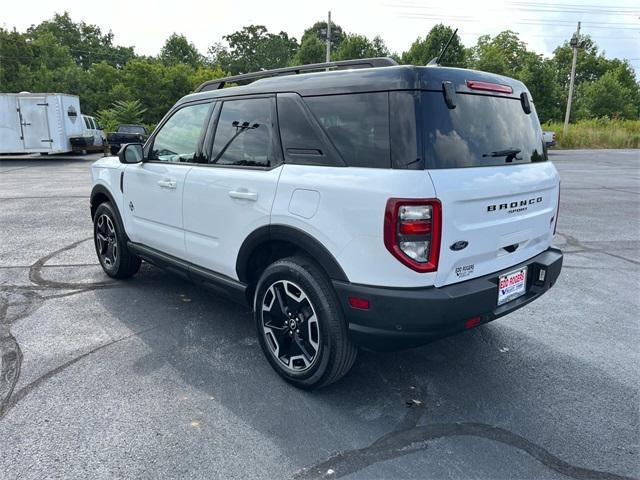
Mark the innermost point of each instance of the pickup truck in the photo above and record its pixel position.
(549, 138)
(126, 134)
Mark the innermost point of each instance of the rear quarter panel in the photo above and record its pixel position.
(349, 218)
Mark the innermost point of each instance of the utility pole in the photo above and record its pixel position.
(329, 38)
(575, 43)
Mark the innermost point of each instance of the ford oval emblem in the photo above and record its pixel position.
(459, 245)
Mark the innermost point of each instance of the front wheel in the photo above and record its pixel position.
(111, 244)
(300, 325)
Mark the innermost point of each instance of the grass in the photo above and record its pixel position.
(597, 133)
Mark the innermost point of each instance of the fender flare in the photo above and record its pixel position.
(103, 190)
(292, 235)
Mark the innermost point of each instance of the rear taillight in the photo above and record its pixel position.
(555, 225)
(412, 230)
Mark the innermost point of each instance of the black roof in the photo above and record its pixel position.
(400, 77)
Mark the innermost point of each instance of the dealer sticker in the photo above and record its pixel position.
(512, 285)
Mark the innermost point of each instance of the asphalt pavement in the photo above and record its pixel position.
(154, 377)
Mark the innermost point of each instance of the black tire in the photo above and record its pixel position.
(111, 244)
(309, 298)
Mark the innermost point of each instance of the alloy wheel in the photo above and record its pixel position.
(106, 241)
(290, 326)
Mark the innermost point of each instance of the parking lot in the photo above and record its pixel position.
(155, 378)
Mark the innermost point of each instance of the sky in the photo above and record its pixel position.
(614, 25)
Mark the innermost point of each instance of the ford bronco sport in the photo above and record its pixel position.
(365, 204)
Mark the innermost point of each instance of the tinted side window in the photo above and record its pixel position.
(86, 122)
(177, 140)
(302, 138)
(244, 133)
(358, 125)
(405, 148)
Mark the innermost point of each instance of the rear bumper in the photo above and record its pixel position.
(408, 317)
(81, 142)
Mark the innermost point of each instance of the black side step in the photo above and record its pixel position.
(226, 286)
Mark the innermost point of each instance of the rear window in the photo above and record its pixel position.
(480, 131)
(131, 129)
(358, 125)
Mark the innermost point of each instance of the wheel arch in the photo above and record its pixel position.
(271, 242)
(101, 194)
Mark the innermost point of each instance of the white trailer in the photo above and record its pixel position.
(39, 122)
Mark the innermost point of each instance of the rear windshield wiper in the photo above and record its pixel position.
(510, 153)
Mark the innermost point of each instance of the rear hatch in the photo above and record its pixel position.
(485, 154)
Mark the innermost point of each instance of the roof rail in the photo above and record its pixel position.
(339, 65)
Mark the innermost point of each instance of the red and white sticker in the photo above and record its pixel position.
(512, 285)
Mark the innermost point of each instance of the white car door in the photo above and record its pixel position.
(153, 189)
(232, 194)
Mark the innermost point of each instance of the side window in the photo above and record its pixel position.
(92, 122)
(86, 122)
(244, 133)
(358, 125)
(302, 139)
(177, 140)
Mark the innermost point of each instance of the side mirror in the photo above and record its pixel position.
(131, 153)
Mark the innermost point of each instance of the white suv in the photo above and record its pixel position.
(385, 206)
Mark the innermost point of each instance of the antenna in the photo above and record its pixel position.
(436, 60)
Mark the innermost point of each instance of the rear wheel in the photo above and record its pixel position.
(300, 325)
(111, 245)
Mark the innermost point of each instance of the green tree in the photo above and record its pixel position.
(86, 43)
(313, 44)
(319, 31)
(424, 50)
(606, 96)
(177, 49)
(503, 54)
(252, 49)
(311, 50)
(355, 46)
(16, 61)
(539, 75)
(122, 111)
(591, 66)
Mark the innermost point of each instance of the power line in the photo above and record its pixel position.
(544, 7)
(467, 19)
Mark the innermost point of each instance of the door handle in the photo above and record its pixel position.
(170, 184)
(244, 195)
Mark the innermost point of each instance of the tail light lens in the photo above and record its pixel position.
(412, 229)
(555, 225)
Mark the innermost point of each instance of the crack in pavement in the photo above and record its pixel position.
(30, 301)
(574, 242)
(35, 272)
(408, 438)
(24, 391)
